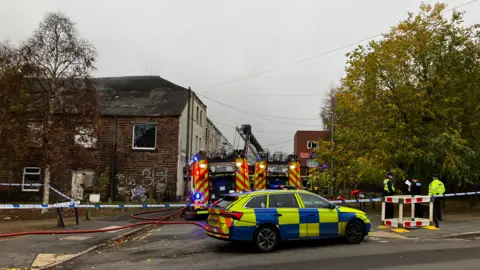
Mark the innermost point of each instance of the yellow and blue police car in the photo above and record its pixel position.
(267, 217)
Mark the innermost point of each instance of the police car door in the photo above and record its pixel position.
(287, 217)
(321, 219)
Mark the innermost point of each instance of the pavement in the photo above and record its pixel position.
(40, 250)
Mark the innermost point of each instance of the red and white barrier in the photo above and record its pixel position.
(401, 222)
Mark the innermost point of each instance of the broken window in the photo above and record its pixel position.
(144, 136)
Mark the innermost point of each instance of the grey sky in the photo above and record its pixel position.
(199, 43)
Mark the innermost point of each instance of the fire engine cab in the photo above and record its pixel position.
(216, 176)
(278, 172)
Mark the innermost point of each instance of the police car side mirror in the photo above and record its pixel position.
(332, 206)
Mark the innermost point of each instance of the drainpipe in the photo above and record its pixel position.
(113, 169)
(187, 154)
(189, 113)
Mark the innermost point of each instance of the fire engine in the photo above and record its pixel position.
(278, 172)
(213, 177)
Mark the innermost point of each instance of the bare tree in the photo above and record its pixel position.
(327, 113)
(65, 101)
(15, 100)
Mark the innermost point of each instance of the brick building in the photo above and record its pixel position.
(149, 128)
(304, 144)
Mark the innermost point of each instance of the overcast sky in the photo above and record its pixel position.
(202, 43)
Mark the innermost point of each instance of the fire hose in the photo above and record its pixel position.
(149, 221)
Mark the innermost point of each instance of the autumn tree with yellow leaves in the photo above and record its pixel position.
(409, 103)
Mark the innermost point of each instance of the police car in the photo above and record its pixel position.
(267, 217)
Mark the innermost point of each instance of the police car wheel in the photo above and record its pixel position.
(266, 238)
(355, 232)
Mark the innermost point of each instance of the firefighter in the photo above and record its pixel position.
(436, 187)
(389, 190)
(416, 189)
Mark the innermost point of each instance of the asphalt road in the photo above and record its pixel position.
(158, 253)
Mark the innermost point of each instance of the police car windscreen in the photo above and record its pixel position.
(226, 201)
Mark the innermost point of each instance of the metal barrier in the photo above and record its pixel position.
(401, 223)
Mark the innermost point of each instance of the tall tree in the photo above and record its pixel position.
(409, 102)
(65, 100)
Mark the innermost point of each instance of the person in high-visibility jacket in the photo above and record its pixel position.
(436, 187)
(389, 190)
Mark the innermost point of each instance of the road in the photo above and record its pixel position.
(182, 248)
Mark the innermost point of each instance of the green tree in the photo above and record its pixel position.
(409, 102)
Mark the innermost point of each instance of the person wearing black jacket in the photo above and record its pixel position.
(416, 188)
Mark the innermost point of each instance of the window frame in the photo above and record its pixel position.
(133, 136)
(257, 196)
(311, 144)
(201, 116)
(39, 173)
(273, 194)
(327, 206)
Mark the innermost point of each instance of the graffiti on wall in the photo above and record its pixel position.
(135, 187)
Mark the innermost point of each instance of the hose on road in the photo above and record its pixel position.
(149, 221)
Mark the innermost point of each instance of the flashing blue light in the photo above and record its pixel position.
(195, 158)
(197, 196)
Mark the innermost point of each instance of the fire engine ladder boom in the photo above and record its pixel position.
(245, 132)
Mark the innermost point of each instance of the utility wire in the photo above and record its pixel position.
(256, 131)
(262, 116)
(314, 56)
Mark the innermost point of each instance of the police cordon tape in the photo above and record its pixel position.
(99, 206)
(37, 185)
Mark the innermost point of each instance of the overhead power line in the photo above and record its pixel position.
(312, 57)
(278, 143)
(255, 131)
(262, 116)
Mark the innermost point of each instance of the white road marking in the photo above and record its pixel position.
(46, 259)
(383, 234)
(113, 227)
(76, 238)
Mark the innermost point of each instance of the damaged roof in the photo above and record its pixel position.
(140, 96)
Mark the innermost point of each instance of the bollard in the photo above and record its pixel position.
(76, 216)
(89, 211)
(110, 211)
(60, 222)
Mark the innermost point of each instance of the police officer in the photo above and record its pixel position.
(416, 189)
(436, 187)
(389, 190)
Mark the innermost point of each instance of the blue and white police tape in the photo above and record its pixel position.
(38, 185)
(96, 206)
(20, 185)
(60, 193)
(99, 206)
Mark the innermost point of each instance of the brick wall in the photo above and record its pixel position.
(147, 168)
(300, 144)
(111, 160)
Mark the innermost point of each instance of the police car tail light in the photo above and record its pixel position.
(234, 215)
